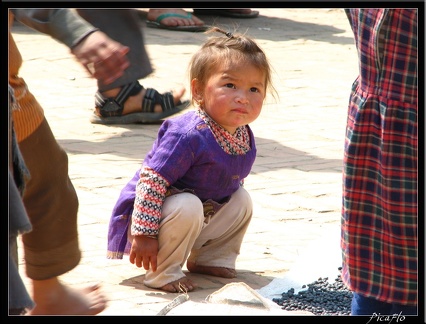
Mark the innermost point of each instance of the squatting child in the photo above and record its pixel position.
(187, 202)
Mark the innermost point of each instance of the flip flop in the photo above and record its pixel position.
(225, 13)
(157, 23)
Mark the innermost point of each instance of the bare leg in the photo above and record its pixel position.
(212, 271)
(182, 285)
(55, 298)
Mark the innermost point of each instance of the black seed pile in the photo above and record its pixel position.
(320, 298)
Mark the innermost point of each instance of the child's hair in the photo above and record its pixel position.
(226, 50)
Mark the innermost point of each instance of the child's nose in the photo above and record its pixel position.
(242, 97)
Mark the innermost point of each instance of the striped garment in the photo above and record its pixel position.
(379, 213)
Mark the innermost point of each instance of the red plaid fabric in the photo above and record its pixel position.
(379, 214)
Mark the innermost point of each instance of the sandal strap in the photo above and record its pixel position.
(153, 97)
(109, 107)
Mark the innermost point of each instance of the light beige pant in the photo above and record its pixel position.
(208, 241)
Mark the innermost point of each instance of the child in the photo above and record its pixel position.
(187, 202)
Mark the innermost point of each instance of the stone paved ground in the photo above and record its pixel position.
(296, 179)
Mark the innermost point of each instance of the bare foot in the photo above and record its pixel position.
(54, 298)
(172, 21)
(183, 284)
(134, 103)
(212, 271)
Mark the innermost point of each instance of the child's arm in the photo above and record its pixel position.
(151, 188)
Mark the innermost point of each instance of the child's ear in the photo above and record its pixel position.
(196, 89)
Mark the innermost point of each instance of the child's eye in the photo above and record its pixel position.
(230, 85)
(254, 89)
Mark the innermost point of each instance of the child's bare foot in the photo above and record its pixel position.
(54, 298)
(212, 271)
(183, 284)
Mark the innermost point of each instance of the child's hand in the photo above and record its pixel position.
(144, 251)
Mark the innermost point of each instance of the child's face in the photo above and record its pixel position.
(232, 96)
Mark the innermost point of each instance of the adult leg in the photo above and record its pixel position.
(361, 305)
(370, 306)
(123, 25)
(51, 248)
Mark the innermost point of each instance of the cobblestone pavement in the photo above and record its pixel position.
(295, 182)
